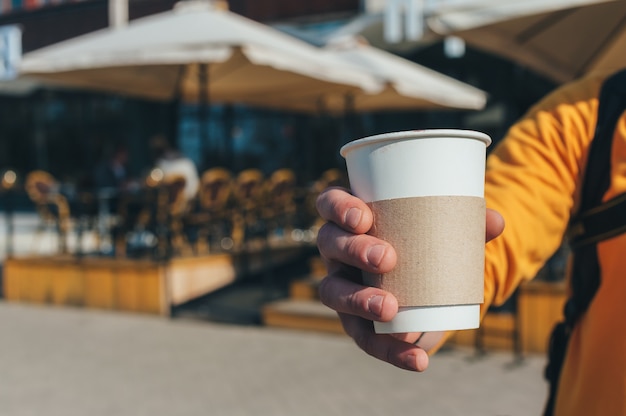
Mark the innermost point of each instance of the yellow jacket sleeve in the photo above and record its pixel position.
(532, 179)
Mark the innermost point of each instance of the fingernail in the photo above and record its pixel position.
(375, 255)
(421, 362)
(410, 362)
(375, 305)
(416, 362)
(353, 217)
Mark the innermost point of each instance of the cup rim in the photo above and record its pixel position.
(415, 134)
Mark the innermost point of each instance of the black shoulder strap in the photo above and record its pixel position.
(586, 269)
(595, 222)
(612, 103)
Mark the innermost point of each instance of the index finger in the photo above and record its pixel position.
(345, 210)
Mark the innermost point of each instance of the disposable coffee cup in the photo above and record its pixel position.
(426, 191)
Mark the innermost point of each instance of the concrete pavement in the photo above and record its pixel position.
(77, 362)
(65, 362)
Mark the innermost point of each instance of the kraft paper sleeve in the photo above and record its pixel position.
(440, 243)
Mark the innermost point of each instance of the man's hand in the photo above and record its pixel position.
(347, 250)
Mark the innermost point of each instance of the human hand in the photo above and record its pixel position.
(347, 250)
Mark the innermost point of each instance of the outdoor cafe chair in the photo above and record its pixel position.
(172, 206)
(152, 221)
(212, 213)
(53, 207)
(248, 193)
(279, 201)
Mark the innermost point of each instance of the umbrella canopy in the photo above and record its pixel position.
(194, 50)
(553, 38)
(408, 86)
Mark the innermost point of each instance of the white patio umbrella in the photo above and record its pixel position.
(408, 86)
(18, 87)
(561, 39)
(195, 50)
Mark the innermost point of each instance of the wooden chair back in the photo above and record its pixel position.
(42, 189)
(248, 189)
(215, 189)
(40, 186)
(281, 192)
(282, 187)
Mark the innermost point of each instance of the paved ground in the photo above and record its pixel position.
(65, 362)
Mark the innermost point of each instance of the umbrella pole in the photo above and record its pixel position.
(203, 112)
(229, 145)
(319, 134)
(351, 121)
(174, 119)
(175, 104)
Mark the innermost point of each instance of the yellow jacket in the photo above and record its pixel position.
(533, 179)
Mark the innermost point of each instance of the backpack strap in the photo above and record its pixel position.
(592, 216)
(595, 222)
(600, 223)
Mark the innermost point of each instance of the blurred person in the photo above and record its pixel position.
(171, 161)
(539, 181)
(111, 181)
(112, 172)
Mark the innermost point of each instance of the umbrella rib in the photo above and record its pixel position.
(612, 35)
(542, 25)
(204, 104)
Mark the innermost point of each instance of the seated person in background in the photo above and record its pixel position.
(112, 173)
(171, 161)
(110, 179)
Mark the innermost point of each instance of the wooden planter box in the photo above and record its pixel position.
(129, 285)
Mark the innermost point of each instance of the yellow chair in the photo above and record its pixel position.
(280, 201)
(172, 206)
(160, 210)
(53, 208)
(248, 194)
(212, 215)
(215, 189)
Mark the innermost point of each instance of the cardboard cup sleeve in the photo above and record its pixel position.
(439, 241)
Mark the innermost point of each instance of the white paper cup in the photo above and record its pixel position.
(426, 188)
